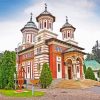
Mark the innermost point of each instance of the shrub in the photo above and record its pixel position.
(89, 74)
(45, 77)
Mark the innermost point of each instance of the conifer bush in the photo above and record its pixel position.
(89, 74)
(45, 77)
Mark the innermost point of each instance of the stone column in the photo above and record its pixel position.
(74, 71)
(83, 75)
(66, 72)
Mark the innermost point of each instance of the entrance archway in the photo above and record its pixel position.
(69, 68)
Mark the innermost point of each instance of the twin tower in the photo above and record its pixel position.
(45, 22)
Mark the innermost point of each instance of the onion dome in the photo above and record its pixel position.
(45, 13)
(30, 24)
(67, 25)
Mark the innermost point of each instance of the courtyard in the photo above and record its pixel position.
(92, 93)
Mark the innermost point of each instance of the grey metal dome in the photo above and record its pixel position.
(45, 13)
(30, 23)
(67, 25)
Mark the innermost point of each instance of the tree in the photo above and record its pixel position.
(99, 74)
(96, 51)
(45, 77)
(7, 69)
(84, 68)
(89, 74)
(90, 56)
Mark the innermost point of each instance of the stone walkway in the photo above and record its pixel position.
(61, 94)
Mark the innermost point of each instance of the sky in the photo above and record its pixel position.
(84, 15)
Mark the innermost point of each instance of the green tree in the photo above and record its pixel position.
(84, 67)
(7, 69)
(99, 74)
(89, 74)
(45, 77)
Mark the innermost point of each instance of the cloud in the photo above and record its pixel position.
(10, 35)
(80, 14)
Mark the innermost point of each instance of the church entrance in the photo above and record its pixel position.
(69, 73)
(68, 69)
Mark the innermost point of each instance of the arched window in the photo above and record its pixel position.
(50, 25)
(68, 34)
(45, 24)
(28, 38)
(64, 35)
(40, 25)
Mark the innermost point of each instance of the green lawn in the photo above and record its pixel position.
(12, 93)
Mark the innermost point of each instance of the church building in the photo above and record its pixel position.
(41, 45)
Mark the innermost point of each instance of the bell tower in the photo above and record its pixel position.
(67, 31)
(29, 32)
(45, 20)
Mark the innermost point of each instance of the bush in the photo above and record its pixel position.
(84, 68)
(89, 74)
(46, 77)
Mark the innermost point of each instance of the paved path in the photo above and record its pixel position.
(94, 89)
(62, 94)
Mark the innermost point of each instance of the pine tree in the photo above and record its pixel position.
(89, 74)
(45, 77)
(7, 70)
(84, 67)
(99, 74)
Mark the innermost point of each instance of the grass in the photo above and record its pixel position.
(12, 93)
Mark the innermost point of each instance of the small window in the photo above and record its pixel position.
(28, 38)
(33, 38)
(58, 67)
(77, 69)
(38, 67)
(57, 49)
(39, 39)
(49, 25)
(28, 69)
(38, 50)
(40, 25)
(45, 24)
(68, 34)
(64, 35)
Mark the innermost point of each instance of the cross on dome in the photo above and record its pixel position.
(31, 17)
(45, 7)
(66, 19)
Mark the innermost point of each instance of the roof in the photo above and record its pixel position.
(57, 40)
(93, 64)
(30, 24)
(74, 50)
(26, 49)
(45, 13)
(67, 25)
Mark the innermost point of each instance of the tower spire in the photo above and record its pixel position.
(66, 19)
(31, 17)
(45, 7)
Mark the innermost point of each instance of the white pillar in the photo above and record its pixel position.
(74, 72)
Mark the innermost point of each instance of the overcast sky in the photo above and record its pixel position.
(82, 14)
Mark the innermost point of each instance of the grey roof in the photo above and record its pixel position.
(31, 23)
(45, 13)
(67, 25)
